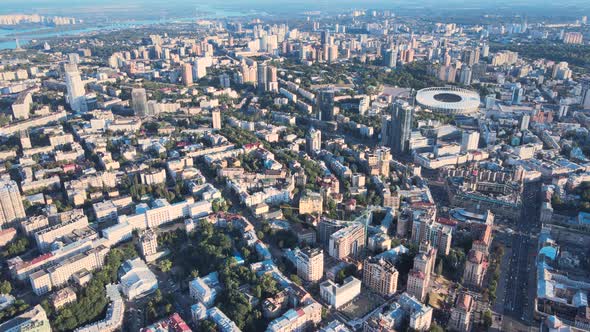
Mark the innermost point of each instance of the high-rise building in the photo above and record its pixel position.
(400, 127)
(139, 102)
(216, 119)
(313, 141)
(262, 77)
(390, 58)
(310, 264)
(75, 87)
(585, 100)
(469, 141)
(325, 104)
(325, 38)
(380, 275)
(524, 122)
(187, 74)
(272, 83)
(11, 203)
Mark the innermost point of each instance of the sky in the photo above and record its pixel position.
(130, 8)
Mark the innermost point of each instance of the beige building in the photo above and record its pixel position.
(417, 285)
(310, 203)
(11, 203)
(380, 276)
(475, 268)
(216, 119)
(46, 236)
(62, 297)
(61, 272)
(152, 177)
(348, 241)
(34, 319)
(301, 319)
(461, 313)
(148, 243)
(310, 264)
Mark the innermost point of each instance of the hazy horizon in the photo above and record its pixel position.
(120, 8)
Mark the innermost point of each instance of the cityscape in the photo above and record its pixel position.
(284, 166)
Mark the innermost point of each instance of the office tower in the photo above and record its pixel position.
(337, 296)
(187, 74)
(401, 127)
(148, 243)
(139, 102)
(523, 124)
(466, 74)
(262, 77)
(325, 104)
(325, 39)
(469, 141)
(517, 93)
(216, 119)
(585, 100)
(11, 203)
(390, 58)
(380, 276)
(310, 264)
(76, 94)
(313, 141)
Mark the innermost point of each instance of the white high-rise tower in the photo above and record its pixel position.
(76, 92)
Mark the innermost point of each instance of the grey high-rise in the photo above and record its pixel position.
(139, 102)
(325, 104)
(401, 127)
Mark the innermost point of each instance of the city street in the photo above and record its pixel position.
(519, 277)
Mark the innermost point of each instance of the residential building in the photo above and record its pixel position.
(32, 320)
(310, 264)
(295, 320)
(348, 241)
(461, 313)
(11, 203)
(475, 268)
(148, 243)
(76, 96)
(311, 203)
(380, 276)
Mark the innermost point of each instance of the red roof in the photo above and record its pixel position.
(446, 221)
(38, 259)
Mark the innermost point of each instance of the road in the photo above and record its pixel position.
(519, 277)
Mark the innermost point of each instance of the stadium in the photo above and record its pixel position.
(448, 100)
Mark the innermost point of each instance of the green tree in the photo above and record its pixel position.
(5, 287)
(165, 265)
